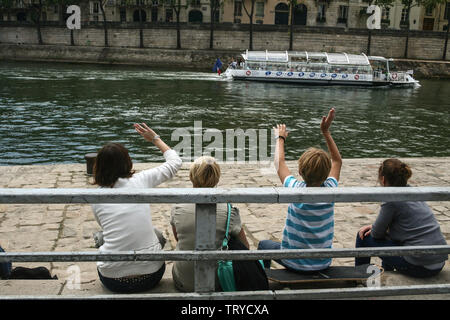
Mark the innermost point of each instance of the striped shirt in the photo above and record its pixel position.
(308, 226)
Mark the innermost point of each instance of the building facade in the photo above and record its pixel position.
(327, 13)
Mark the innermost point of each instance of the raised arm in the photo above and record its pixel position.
(336, 160)
(151, 136)
(280, 163)
(168, 169)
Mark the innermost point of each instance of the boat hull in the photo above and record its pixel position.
(316, 78)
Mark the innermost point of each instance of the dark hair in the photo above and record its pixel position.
(395, 172)
(112, 162)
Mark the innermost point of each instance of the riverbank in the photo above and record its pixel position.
(69, 227)
(202, 60)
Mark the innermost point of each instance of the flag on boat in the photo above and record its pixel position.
(217, 66)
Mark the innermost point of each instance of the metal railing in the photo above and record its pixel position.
(205, 255)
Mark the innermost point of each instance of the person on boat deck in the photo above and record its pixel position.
(128, 226)
(308, 225)
(403, 223)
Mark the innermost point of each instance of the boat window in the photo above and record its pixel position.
(392, 66)
(298, 58)
(378, 65)
(276, 66)
(318, 59)
(256, 65)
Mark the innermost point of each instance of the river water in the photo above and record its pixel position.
(56, 113)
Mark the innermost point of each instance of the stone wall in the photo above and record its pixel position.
(20, 43)
(388, 43)
(184, 59)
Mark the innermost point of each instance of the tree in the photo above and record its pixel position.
(444, 55)
(250, 14)
(36, 14)
(105, 27)
(176, 6)
(292, 4)
(214, 6)
(140, 5)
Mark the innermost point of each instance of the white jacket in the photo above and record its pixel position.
(128, 226)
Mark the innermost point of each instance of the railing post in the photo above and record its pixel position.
(205, 239)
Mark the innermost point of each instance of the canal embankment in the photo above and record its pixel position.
(171, 58)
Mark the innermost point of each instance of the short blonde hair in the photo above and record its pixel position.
(204, 172)
(314, 166)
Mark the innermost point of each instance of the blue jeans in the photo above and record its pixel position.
(5, 268)
(391, 263)
(274, 245)
(133, 285)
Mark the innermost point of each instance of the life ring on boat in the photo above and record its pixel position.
(268, 73)
(334, 75)
(312, 74)
(356, 76)
(279, 73)
(248, 72)
(394, 76)
(323, 75)
(301, 74)
(344, 76)
(290, 73)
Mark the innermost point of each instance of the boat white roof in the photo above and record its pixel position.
(285, 56)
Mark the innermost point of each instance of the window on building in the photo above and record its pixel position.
(343, 14)
(404, 13)
(55, 9)
(21, 16)
(237, 8)
(281, 14)
(321, 13)
(169, 15)
(385, 12)
(95, 7)
(260, 9)
(123, 15)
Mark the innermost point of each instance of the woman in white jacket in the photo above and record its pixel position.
(128, 226)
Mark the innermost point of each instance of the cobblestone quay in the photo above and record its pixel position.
(69, 227)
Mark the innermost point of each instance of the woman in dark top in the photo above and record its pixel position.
(403, 223)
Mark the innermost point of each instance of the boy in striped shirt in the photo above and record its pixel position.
(308, 225)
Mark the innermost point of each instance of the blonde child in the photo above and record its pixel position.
(204, 173)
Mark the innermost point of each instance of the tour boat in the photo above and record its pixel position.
(319, 68)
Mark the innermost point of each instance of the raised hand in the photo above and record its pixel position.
(146, 132)
(326, 121)
(280, 130)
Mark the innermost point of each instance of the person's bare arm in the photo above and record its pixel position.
(280, 162)
(336, 160)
